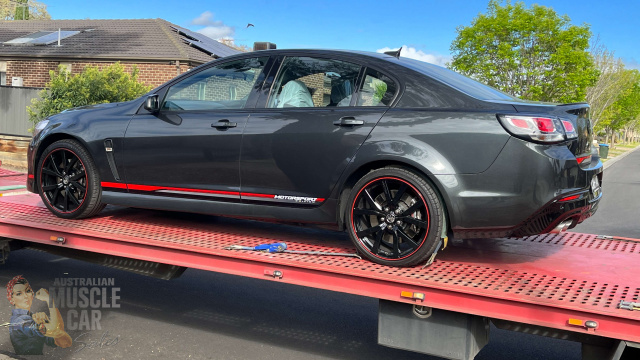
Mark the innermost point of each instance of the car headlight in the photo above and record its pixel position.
(39, 127)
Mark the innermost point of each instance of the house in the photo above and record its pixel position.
(159, 49)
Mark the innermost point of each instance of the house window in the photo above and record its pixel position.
(3, 73)
(67, 65)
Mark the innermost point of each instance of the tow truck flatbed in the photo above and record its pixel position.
(558, 281)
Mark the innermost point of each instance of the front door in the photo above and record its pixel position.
(192, 146)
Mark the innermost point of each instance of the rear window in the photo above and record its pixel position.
(459, 82)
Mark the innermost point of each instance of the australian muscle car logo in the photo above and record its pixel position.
(37, 319)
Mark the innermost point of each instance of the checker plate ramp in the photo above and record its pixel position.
(541, 280)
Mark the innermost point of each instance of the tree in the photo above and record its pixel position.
(532, 53)
(612, 81)
(232, 44)
(23, 10)
(92, 86)
(623, 114)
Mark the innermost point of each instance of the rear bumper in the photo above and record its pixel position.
(524, 192)
(545, 220)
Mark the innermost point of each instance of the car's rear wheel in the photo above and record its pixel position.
(394, 217)
(69, 183)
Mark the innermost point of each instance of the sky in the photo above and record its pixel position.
(424, 28)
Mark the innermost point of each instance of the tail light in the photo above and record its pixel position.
(569, 129)
(543, 129)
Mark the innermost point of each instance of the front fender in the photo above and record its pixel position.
(89, 126)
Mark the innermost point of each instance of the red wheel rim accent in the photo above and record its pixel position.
(424, 208)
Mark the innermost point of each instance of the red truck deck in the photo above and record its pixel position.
(555, 281)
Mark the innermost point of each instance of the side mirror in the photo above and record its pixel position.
(152, 104)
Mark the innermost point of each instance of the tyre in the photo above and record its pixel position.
(68, 181)
(394, 217)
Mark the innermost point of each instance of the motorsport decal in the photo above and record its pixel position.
(296, 198)
(212, 193)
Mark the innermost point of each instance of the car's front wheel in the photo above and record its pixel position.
(68, 180)
(394, 217)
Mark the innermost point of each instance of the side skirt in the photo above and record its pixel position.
(323, 215)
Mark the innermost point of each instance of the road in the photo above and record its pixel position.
(204, 315)
(620, 205)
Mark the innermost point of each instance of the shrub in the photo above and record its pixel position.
(92, 86)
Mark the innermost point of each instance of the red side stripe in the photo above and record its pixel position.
(156, 188)
(113, 185)
(258, 195)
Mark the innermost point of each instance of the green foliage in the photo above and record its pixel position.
(612, 82)
(92, 86)
(16, 10)
(22, 10)
(532, 53)
(626, 109)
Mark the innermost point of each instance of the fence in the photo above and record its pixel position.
(14, 119)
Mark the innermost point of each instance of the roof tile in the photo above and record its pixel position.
(132, 39)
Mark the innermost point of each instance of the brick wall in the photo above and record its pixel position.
(36, 73)
(33, 73)
(216, 89)
(148, 73)
(321, 90)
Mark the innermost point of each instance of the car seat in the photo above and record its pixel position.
(295, 94)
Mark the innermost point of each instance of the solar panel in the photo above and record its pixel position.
(41, 38)
(27, 38)
(51, 38)
(205, 43)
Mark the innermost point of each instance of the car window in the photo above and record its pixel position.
(313, 82)
(377, 90)
(460, 82)
(226, 86)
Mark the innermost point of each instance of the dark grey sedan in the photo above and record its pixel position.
(399, 153)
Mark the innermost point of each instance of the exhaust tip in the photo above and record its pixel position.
(562, 226)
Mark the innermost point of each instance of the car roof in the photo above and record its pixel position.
(441, 74)
(422, 67)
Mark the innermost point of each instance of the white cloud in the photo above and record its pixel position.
(413, 53)
(206, 19)
(214, 29)
(217, 32)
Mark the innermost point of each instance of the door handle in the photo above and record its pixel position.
(348, 121)
(224, 124)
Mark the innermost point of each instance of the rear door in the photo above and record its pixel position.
(192, 146)
(317, 114)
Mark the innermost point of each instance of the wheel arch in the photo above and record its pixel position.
(44, 144)
(362, 170)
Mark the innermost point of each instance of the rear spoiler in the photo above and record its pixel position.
(582, 104)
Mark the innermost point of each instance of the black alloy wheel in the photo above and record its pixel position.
(395, 217)
(68, 181)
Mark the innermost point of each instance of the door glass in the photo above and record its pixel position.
(377, 90)
(226, 86)
(313, 82)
